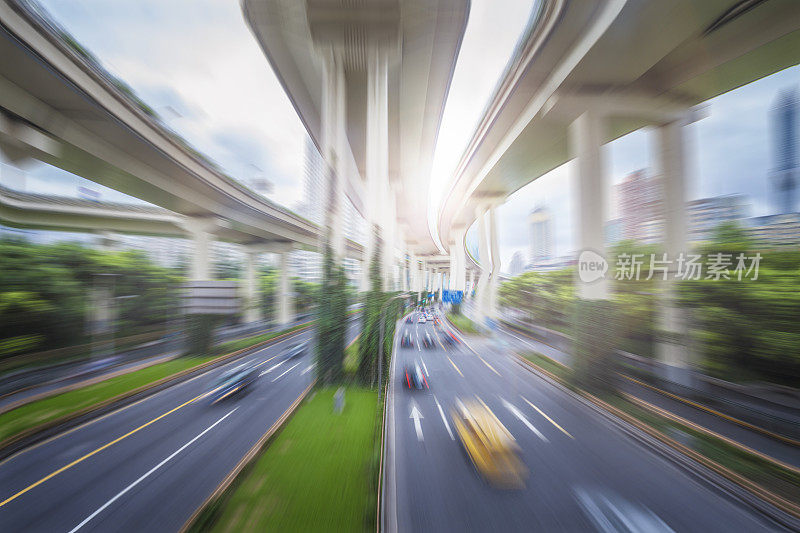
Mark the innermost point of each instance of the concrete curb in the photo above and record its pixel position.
(379, 515)
(748, 492)
(252, 454)
(31, 436)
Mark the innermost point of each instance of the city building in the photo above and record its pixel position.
(782, 229)
(541, 233)
(639, 205)
(705, 214)
(308, 265)
(517, 264)
(785, 173)
(613, 231)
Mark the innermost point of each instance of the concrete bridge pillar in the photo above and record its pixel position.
(586, 134)
(377, 155)
(471, 285)
(334, 142)
(494, 254)
(483, 253)
(451, 281)
(252, 305)
(201, 231)
(595, 338)
(671, 347)
(460, 273)
(284, 302)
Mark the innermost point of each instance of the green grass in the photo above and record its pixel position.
(240, 344)
(60, 405)
(548, 364)
(319, 474)
(463, 323)
(351, 359)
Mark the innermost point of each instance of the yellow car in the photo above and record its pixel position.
(490, 446)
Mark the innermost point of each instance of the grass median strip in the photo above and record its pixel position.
(464, 324)
(319, 474)
(33, 414)
(240, 344)
(36, 413)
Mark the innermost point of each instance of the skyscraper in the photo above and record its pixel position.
(639, 205)
(784, 175)
(540, 225)
(517, 265)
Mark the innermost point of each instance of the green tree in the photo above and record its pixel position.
(370, 331)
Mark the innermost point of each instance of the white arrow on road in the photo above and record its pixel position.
(516, 412)
(416, 415)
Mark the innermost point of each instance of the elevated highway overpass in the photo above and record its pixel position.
(589, 72)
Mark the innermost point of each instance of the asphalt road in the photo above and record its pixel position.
(772, 447)
(585, 474)
(22, 385)
(148, 466)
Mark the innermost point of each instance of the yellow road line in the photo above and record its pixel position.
(564, 431)
(352, 341)
(487, 364)
(265, 362)
(98, 450)
(454, 366)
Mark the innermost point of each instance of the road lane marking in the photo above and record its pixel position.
(416, 415)
(307, 370)
(441, 412)
(265, 362)
(487, 364)
(273, 367)
(147, 474)
(454, 366)
(564, 431)
(98, 450)
(516, 412)
(285, 372)
(425, 367)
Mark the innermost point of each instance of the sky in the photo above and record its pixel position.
(197, 64)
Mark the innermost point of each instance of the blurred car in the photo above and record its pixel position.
(297, 350)
(427, 341)
(421, 320)
(449, 338)
(405, 341)
(409, 319)
(413, 378)
(234, 381)
(489, 445)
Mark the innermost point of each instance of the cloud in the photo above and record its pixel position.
(199, 58)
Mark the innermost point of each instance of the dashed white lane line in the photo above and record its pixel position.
(273, 367)
(424, 367)
(516, 412)
(121, 493)
(564, 431)
(309, 369)
(285, 372)
(444, 419)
